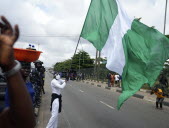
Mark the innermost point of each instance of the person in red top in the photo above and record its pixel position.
(20, 113)
(112, 80)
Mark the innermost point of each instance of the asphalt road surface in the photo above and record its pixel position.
(88, 106)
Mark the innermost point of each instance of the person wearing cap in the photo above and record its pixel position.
(20, 114)
(56, 100)
(37, 79)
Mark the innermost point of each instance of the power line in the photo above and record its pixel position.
(39, 35)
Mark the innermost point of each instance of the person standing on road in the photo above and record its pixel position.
(56, 101)
(116, 79)
(120, 80)
(67, 76)
(160, 97)
(109, 79)
(37, 79)
(112, 80)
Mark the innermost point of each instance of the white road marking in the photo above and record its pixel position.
(107, 105)
(81, 91)
(151, 100)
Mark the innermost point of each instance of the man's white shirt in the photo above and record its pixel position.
(116, 77)
(57, 85)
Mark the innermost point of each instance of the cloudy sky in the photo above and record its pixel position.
(53, 26)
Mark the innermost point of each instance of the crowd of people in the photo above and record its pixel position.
(34, 81)
(80, 76)
(18, 114)
(114, 80)
(24, 84)
(160, 90)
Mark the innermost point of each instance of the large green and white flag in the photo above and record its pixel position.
(134, 50)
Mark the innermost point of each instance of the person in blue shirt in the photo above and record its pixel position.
(25, 71)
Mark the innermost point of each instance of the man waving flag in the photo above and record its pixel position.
(134, 50)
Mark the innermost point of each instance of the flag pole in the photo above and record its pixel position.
(74, 53)
(79, 37)
(165, 17)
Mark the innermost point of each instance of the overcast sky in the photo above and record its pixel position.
(53, 26)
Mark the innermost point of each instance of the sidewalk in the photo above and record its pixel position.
(142, 94)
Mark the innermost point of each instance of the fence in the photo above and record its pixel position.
(95, 74)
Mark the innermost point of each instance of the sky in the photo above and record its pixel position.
(54, 26)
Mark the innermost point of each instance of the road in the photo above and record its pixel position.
(88, 106)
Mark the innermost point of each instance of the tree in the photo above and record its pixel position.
(81, 60)
(62, 66)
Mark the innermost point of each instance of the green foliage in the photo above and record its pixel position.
(62, 66)
(81, 59)
(146, 86)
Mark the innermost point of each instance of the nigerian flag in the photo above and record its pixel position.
(134, 50)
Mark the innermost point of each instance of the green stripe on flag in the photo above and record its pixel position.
(145, 50)
(100, 17)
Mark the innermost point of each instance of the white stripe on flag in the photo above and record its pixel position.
(113, 48)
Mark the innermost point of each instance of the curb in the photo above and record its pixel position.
(99, 85)
(135, 95)
(166, 103)
(92, 83)
(120, 91)
(138, 96)
(109, 88)
(143, 90)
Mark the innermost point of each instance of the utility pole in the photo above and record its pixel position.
(98, 69)
(95, 66)
(74, 53)
(79, 61)
(165, 17)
